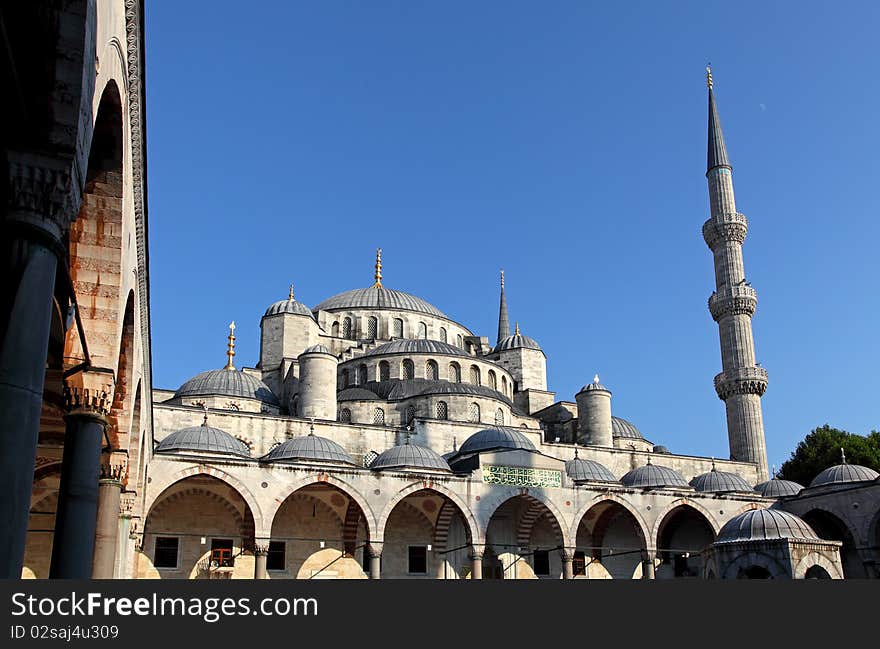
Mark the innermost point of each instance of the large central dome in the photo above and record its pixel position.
(379, 297)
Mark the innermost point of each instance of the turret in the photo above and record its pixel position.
(286, 329)
(594, 414)
(742, 381)
(317, 384)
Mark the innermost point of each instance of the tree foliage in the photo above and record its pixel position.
(821, 449)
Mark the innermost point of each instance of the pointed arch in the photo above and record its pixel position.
(471, 525)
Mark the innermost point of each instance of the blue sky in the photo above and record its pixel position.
(562, 141)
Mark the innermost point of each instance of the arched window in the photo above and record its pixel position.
(372, 327)
(379, 416)
(398, 328)
(493, 382)
(334, 330)
(408, 370)
(423, 330)
(455, 373)
(460, 341)
(475, 375)
(443, 334)
(431, 371)
(346, 328)
(475, 412)
(344, 378)
(442, 410)
(345, 416)
(504, 385)
(384, 371)
(499, 417)
(362, 373)
(294, 408)
(410, 414)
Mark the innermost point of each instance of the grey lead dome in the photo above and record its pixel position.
(765, 524)
(499, 437)
(715, 481)
(308, 448)
(203, 439)
(232, 383)
(652, 476)
(378, 297)
(417, 346)
(777, 488)
(289, 306)
(517, 341)
(624, 429)
(842, 473)
(583, 470)
(410, 456)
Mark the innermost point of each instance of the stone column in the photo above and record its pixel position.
(648, 564)
(261, 553)
(567, 555)
(107, 522)
(375, 552)
(477, 561)
(73, 546)
(123, 540)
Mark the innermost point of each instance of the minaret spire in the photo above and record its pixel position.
(230, 349)
(503, 318)
(742, 381)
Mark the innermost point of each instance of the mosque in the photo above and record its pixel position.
(376, 436)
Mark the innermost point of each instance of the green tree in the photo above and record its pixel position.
(821, 449)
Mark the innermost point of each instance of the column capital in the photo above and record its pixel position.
(374, 549)
(114, 468)
(567, 554)
(87, 402)
(126, 503)
(261, 547)
(477, 550)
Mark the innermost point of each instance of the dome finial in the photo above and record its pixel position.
(842, 456)
(516, 330)
(773, 471)
(596, 379)
(378, 274)
(290, 295)
(649, 461)
(408, 433)
(312, 426)
(230, 350)
(205, 420)
(713, 464)
(575, 450)
(709, 75)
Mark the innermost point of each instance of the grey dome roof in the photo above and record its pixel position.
(652, 476)
(762, 524)
(517, 341)
(840, 473)
(378, 297)
(289, 306)
(232, 383)
(582, 470)
(356, 394)
(203, 439)
(595, 385)
(410, 456)
(308, 448)
(715, 481)
(494, 438)
(777, 488)
(317, 349)
(399, 389)
(623, 428)
(417, 346)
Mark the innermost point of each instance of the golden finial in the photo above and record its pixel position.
(230, 351)
(502, 279)
(290, 295)
(516, 330)
(709, 75)
(378, 275)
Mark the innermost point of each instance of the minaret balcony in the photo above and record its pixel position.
(741, 380)
(733, 300)
(730, 226)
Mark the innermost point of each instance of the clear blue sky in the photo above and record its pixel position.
(562, 141)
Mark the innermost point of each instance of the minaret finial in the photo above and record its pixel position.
(842, 456)
(502, 278)
(230, 350)
(378, 274)
(503, 318)
(290, 294)
(717, 155)
(709, 75)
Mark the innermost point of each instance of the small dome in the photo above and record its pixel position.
(357, 394)
(417, 346)
(765, 524)
(715, 481)
(308, 448)
(842, 473)
(410, 456)
(378, 297)
(289, 306)
(595, 385)
(652, 476)
(490, 439)
(777, 488)
(318, 349)
(203, 439)
(231, 383)
(581, 470)
(623, 428)
(517, 341)
(661, 450)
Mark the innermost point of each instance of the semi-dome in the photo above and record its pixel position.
(517, 341)
(410, 457)
(416, 346)
(842, 473)
(227, 382)
(308, 448)
(203, 439)
(778, 488)
(583, 470)
(379, 297)
(765, 524)
(653, 476)
(317, 349)
(499, 437)
(716, 481)
(622, 428)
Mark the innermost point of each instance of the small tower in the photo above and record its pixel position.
(286, 329)
(317, 384)
(742, 381)
(594, 414)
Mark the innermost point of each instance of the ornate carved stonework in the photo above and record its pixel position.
(731, 226)
(42, 194)
(87, 399)
(742, 380)
(733, 300)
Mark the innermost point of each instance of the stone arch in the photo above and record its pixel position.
(444, 520)
(682, 536)
(832, 527)
(683, 502)
(471, 525)
(816, 559)
(165, 502)
(121, 412)
(556, 518)
(748, 560)
(214, 472)
(598, 500)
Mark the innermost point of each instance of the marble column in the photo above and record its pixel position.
(476, 562)
(107, 523)
(73, 545)
(261, 554)
(648, 564)
(375, 552)
(567, 556)
(123, 542)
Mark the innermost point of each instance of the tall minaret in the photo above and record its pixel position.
(742, 382)
(503, 319)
